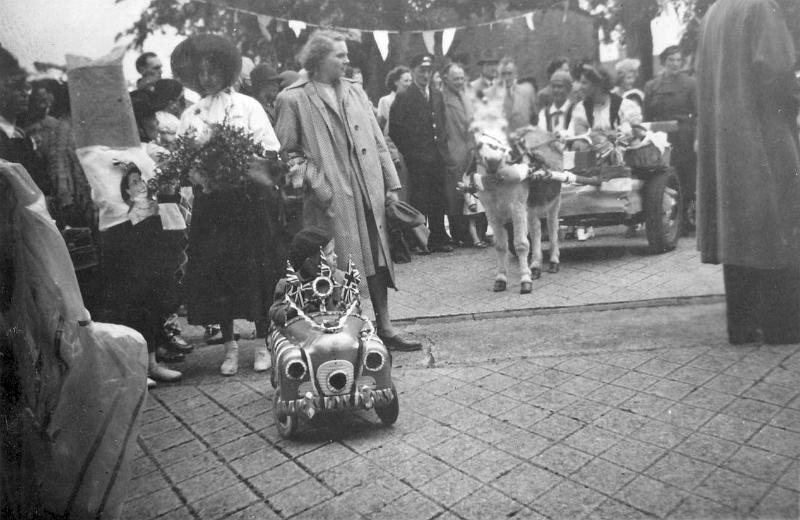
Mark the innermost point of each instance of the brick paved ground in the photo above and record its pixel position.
(629, 413)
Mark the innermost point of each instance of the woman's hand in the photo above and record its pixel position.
(258, 171)
(391, 196)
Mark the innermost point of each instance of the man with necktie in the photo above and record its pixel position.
(417, 127)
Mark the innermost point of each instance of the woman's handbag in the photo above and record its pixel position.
(403, 216)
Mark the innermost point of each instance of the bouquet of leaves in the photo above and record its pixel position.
(219, 159)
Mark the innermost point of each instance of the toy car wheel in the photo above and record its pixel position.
(286, 424)
(388, 413)
(663, 206)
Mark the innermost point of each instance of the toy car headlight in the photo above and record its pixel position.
(374, 361)
(296, 370)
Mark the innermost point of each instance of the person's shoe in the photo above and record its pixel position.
(442, 248)
(177, 344)
(480, 244)
(164, 355)
(398, 344)
(161, 373)
(584, 233)
(262, 361)
(231, 364)
(150, 383)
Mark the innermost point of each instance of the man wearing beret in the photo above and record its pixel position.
(417, 127)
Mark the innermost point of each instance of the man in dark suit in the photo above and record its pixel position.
(417, 127)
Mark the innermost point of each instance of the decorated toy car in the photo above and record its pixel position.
(329, 359)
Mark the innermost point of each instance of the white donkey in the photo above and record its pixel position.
(511, 193)
(503, 191)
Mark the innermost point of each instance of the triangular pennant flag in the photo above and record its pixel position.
(382, 41)
(529, 20)
(263, 24)
(428, 38)
(447, 39)
(354, 35)
(297, 26)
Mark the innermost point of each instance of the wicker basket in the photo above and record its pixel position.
(647, 156)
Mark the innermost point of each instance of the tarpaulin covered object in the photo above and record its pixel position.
(72, 418)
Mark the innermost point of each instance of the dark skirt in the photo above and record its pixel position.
(234, 255)
(137, 276)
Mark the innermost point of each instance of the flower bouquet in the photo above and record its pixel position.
(217, 159)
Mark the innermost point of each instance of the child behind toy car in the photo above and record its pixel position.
(306, 252)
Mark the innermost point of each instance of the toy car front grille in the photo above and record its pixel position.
(335, 377)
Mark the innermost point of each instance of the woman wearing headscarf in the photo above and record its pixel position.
(672, 95)
(233, 256)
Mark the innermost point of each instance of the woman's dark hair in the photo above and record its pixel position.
(166, 91)
(598, 76)
(669, 51)
(128, 170)
(394, 75)
(217, 51)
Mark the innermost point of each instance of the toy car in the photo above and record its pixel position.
(329, 360)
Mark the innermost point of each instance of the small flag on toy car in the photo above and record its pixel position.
(352, 279)
(294, 290)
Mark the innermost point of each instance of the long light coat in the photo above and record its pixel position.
(748, 194)
(348, 162)
(457, 116)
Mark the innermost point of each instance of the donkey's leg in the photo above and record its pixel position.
(521, 246)
(501, 251)
(535, 231)
(552, 230)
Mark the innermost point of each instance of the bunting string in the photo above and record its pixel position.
(381, 36)
(506, 20)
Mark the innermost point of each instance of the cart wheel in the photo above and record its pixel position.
(663, 206)
(388, 413)
(286, 424)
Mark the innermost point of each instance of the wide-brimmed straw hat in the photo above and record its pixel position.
(192, 51)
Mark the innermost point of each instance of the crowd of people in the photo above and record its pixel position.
(218, 254)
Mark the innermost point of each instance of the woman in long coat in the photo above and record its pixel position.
(327, 126)
(748, 167)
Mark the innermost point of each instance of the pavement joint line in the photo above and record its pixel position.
(146, 450)
(221, 459)
(670, 301)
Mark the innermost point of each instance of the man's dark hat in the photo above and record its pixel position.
(421, 60)
(263, 74)
(488, 56)
(220, 51)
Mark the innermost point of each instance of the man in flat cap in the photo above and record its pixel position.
(265, 85)
(417, 127)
